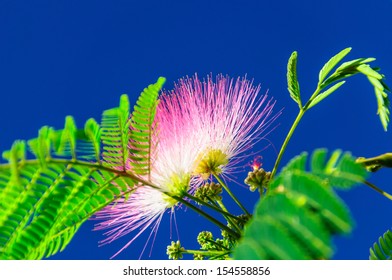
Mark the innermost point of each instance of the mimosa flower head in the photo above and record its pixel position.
(222, 119)
(144, 209)
(203, 127)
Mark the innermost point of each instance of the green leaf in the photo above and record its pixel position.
(115, 133)
(353, 64)
(383, 249)
(325, 94)
(292, 80)
(340, 170)
(93, 133)
(69, 136)
(357, 66)
(368, 71)
(382, 102)
(14, 156)
(45, 200)
(331, 64)
(143, 129)
(300, 213)
(41, 146)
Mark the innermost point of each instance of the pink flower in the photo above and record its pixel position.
(204, 127)
(222, 119)
(142, 210)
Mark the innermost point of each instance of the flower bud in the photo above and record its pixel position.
(174, 250)
(257, 179)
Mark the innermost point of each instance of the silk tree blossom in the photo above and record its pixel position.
(203, 127)
(171, 172)
(225, 116)
(142, 210)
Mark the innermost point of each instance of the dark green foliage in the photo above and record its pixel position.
(383, 249)
(301, 212)
(44, 200)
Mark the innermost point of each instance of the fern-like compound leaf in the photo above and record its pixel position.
(73, 173)
(321, 96)
(93, 135)
(327, 68)
(300, 212)
(361, 65)
(143, 129)
(292, 80)
(382, 250)
(44, 201)
(115, 135)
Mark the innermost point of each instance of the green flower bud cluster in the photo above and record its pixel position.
(198, 257)
(204, 239)
(174, 250)
(257, 179)
(207, 242)
(210, 191)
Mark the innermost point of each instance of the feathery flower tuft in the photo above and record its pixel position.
(203, 128)
(223, 119)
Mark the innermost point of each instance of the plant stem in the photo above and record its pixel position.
(286, 141)
(207, 216)
(210, 206)
(230, 220)
(204, 253)
(136, 178)
(387, 195)
(217, 244)
(231, 194)
(301, 113)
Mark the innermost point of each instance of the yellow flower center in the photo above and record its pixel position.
(211, 162)
(177, 185)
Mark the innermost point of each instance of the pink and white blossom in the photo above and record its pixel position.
(203, 127)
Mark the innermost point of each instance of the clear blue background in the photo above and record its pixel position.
(71, 57)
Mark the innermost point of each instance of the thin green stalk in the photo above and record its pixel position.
(220, 256)
(286, 142)
(218, 203)
(387, 195)
(217, 244)
(207, 216)
(301, 113)
(84, 163)
(204, 253)
(136, 178)
(215, 208)
(231, 194)
(230, 220)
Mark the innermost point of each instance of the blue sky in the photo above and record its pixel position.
(61, 58)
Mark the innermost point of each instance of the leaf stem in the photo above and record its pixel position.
(217, 244)
(207, 216)
(136, 178)
(229, 219)
(215, 208)
(301, 113)
(286, 142)
(230, 193)
(204, 253)
(377, 189)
